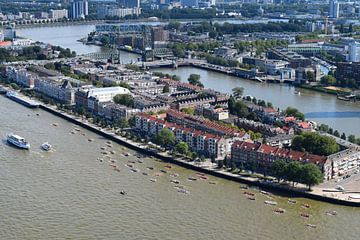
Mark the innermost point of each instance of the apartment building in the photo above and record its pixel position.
(201, 142)
(263, 156)
(21, 76)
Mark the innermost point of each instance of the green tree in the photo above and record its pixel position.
(240, 109)
(122, 123)
(105, 40)
(176, 78)
(133, 67)
(278, 169)
(124, 99)
(352, 138)
(315, 143)
(328, 80)
(336, 133)
(182, 148)
(238, 91)
(311, 175)
(165, 137)
(293, 171)
(166, 89)
(343, 136)
(290, 111)
(194, 79)
(231, 104)
(189, 111)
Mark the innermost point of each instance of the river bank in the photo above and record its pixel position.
(190, 165)
(211, 170)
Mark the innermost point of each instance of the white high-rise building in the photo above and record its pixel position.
(79, 9)
(334, 9)
(58, 14)
(354, 52)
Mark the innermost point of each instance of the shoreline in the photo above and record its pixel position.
(140, 147)
(217, 173)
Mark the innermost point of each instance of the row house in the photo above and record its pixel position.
(192, 103)
(21, 76)
(203, 143)
(263, 156)
(180, 85)
(114, 112)
(60, 89)
(204, 124)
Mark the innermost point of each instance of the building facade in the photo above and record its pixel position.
(263, 156)
(203, 143)
(79, 9)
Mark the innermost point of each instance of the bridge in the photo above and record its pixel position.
(101, 55)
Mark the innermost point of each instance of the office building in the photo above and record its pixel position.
(129, 3)
(354, 52)
(107, 11)
(159, 37)
(334, 8)
(79, 9)
(58, 14)
(350, 70)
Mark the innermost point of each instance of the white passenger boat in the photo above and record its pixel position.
(18, 141)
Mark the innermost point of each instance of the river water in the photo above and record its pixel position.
(70, 194)
(324, 108)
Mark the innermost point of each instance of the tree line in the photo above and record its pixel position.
(296, 172)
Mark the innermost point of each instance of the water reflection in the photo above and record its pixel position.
(333, 115)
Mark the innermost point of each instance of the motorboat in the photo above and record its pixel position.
(249, 193)
(305, 205)
(18, 141)
(304, 215)
(311, 225)
(46, 146)
(279, 210)
(264, 192)
(331, 213)
(175, 181)
(273, 203)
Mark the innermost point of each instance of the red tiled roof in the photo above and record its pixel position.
(290, 119)
(281, 152)
(5, 43)
(304, 125)
(208, 124)
(176, 127)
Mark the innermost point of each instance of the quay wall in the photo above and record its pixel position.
(275, 188)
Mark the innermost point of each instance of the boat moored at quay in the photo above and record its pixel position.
(22, 100)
